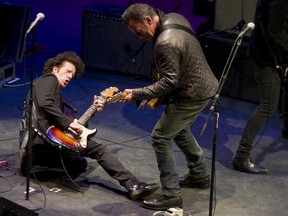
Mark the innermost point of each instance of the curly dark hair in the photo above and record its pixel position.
(68, 56)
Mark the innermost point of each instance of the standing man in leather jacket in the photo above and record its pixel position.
(188, 83)
(269, 41)
(47, 98)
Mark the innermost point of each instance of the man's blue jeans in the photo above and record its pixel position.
(174, 124)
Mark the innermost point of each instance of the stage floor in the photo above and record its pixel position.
(126, 132)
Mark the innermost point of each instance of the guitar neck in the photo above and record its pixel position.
(93, 108)
(89, 113)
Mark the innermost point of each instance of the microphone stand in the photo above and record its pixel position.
(30, 129)
(213, 108)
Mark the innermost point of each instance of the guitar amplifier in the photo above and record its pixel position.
(107, 44)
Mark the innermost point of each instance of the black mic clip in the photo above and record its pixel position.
(239, 25)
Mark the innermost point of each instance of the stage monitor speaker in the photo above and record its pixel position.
(228, 13)
(9, 208)
(107, 44)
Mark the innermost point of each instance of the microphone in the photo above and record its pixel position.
(39, 17)
(250, 26)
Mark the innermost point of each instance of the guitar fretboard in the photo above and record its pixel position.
(89, 113)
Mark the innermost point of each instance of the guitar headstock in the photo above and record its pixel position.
(109, 92)
(110, 97)
(116, 97)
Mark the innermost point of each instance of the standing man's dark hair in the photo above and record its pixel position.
(138, 12)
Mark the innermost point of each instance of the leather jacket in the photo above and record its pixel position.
(180, 62)
(271, 30)
(49, 105)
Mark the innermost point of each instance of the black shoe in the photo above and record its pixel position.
(246, 165)
(141, 190)
(188, 182)
(163, 202)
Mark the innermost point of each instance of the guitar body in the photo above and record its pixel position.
(69, 138)
(155, 102)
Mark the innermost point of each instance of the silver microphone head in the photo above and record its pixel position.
(40, 16)
(251, 25)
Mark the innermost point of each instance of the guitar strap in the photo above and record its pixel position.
(44, 137)
(176, 26)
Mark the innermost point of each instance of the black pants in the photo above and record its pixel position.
(283, 107)
(105, 158)
(48, 156)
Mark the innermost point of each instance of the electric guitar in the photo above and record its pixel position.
(152, 104)
(155, 102)
(69, 138)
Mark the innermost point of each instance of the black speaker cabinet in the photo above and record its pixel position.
(14, 20)
(107, 44)
(9, 208)
(240, 81)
